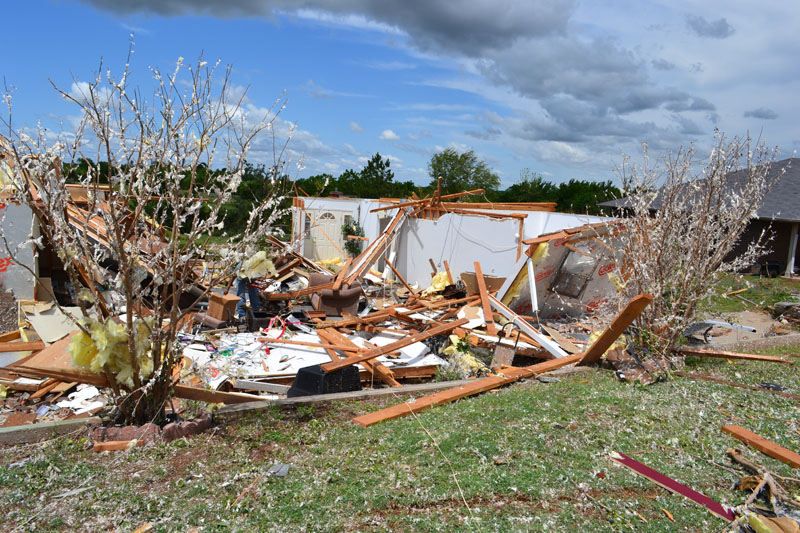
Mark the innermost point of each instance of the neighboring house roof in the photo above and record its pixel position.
(781, 203)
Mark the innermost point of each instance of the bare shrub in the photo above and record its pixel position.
(685, 217)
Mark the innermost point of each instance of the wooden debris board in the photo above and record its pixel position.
(617, 327)
(46, 388)
(732, 355)
(671, 485)
(21, 346)
(763, 445)
(487, 309)
(212, 396)
(114, 445)
(509, 375)
(402, 343)
(712, 379)
(374, 367)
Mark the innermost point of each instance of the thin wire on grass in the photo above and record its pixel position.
(449, 464)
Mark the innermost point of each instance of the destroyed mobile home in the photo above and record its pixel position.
(486, 294)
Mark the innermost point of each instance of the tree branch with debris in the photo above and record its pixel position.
(164, 169)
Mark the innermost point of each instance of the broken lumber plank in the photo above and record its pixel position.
(433, 267)
(373, 367)
(732, 355)
(487, 309)
(114, 445)
(477, 386)
(399, 277)
(712, 379)
(449, 274)
(187, 392)
(273, 296)
(402, 343)
(337, 284)
(763, 445)
(428, 200)
(10, 336)
(342, 348)
(619, 325)
(32, 346)
(47, 387)
(673, 486)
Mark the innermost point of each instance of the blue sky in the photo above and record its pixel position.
(562, 88)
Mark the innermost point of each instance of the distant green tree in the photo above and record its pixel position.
(582, 196)
(461, 172)
(531, 187)
(376, 177)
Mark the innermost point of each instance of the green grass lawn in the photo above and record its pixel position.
(530, 457)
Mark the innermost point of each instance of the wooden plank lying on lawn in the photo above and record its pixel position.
(732, 355)
(212, 396)
(763, 445)
(671, 485)
(713, 379)
(114, 445)
(402, 343)
(612, 332)
(509, 375)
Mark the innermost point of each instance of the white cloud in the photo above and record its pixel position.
(354, 127)
(388, 135)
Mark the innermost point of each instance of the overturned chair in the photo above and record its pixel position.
(334, 303)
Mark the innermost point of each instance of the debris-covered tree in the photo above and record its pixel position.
(130, 247)
(684, 219)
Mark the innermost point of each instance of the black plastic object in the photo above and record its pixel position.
(313, 380)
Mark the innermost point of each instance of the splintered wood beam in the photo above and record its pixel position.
(332, 346)
(763, 445)
(713, 506)
(478, 386)
(296, 294)
(449, 274)
(402, 343)
(187, 392)
(427, 200)
(399, 277)
(116, 445)
(733, 355)
(10, 336)
(22, 346)
(374, 367)
(612, 332)
(433, 267)
(487, 309)
(337, 284)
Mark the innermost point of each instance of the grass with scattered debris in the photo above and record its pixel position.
(762, 292)
(530, 457)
